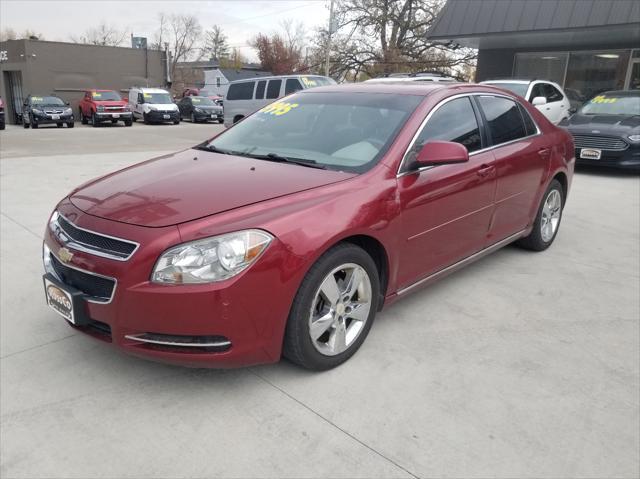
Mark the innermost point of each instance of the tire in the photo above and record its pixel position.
(59, 125)
(193, 118)
(128, 123)
(83, 119)
(34, 125)
(70, 125)
(332, 268)
(133, 118)
(145, 119)
(2, 126)
(94, 121)
(114, 121)
(176, 122)
(221, 121)
(548, 218)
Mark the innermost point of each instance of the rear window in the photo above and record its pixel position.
(504, 119)
(241, 91)
(273, 90)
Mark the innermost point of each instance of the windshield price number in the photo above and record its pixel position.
(279, 108)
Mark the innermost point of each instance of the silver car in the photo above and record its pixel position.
(246, 96)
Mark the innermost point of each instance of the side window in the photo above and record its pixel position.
(453, 121)
(529, 125)
(241, 91)
(262, 84)
(504, 119)
(537, 90)
(273, 90)
(552, 93)
(292, 85)
(140, 98)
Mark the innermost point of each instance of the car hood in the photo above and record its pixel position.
(193, 184)
(603, 124)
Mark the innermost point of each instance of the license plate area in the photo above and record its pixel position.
(590, 154)
(55, 117)
(66, 301)
(166, 117)
(116, 115)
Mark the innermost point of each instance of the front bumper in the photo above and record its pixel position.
(108, 116)
(161, 116)
(208, 115)
(248, 311)
(628, 158)
(46, 119)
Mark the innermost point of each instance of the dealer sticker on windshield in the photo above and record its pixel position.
(590, 154)
(279, 108)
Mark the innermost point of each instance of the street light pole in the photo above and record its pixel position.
(326, 65)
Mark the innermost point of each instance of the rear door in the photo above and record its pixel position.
(521, 159)
(446, 210)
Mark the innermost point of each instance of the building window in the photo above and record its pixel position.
(590, 73)
(218, 82)
(544, 66)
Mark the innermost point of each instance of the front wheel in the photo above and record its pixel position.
(83, 119)
(94, 120)
(547, 222)
(70, 124)
(333, 310)
(128, 123)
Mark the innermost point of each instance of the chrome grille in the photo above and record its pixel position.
(599, 142)
(89, 241)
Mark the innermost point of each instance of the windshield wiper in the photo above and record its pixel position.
(287, 159)
(214, 149)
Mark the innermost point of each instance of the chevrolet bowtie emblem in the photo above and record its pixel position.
(65, 255)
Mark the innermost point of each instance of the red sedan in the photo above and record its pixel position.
(285, 234)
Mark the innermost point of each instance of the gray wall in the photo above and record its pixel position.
(67, 69)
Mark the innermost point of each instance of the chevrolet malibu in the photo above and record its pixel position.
(287, 233)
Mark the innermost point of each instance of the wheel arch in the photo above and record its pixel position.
(562, 178)
(378, 253)
(237, 118)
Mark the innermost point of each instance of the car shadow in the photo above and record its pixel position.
(606, 171)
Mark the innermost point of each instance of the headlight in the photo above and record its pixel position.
(152, 108)
(634, 137)
(198, 110)
(100, 108)
(68, 111)
(211, 259)
(37, 111)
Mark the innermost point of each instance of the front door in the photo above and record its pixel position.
(446, 210)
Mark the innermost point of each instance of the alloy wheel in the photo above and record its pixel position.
(340, 309)
(551, 212)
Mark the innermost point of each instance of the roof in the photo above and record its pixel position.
(398, 88)
(474, 19)
(232, 74)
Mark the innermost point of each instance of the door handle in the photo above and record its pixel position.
(544, 153)
(485, 170)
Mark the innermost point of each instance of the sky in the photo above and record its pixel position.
(240, 20)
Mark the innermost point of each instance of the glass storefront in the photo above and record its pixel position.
(582, 74)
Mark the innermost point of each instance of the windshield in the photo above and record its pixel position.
(105, 96)
(517, 88)
(342, 131)
(157, 98)
(46, 100)
(310, 82)
(604, 104)
(201, 101)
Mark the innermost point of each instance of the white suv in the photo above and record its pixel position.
(413, 77)
(545, 95)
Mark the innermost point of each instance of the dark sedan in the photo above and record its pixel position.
(606, 130)
(46, 110)
(200, 108)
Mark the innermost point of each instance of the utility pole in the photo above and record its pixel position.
(326, 65)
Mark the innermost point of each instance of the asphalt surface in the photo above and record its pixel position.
(521, 365)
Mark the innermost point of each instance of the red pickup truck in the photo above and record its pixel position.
(99, 106)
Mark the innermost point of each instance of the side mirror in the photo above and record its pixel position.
(572, 110)
(442, 153)
(538, 101)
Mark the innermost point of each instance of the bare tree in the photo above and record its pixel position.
(378, 37)
(105, 34)
(8, 33)
(181, 34)
(216, 45)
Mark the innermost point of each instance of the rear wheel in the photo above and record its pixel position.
(94, 120)
(547, 222)
(333, 310)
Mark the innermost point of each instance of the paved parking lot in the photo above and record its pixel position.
(521, 365)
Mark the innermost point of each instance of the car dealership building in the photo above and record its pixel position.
(65, 70)
(586, 46)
